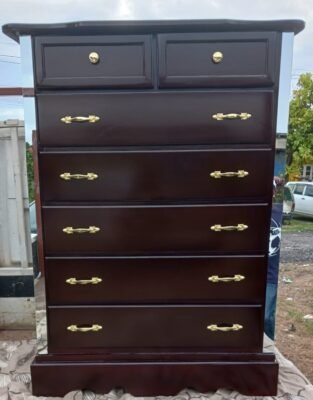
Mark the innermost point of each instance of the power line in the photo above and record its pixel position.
(9, 62)
(6, 55)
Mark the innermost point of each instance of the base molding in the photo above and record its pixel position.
(253, 377)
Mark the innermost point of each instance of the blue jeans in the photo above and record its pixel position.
(270, 310)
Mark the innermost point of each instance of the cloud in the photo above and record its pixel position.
(11, 113)
(32, 11)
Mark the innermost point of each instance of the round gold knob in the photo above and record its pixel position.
(217, 57)
(94, 57)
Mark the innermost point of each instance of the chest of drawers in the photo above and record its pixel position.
(155, 154)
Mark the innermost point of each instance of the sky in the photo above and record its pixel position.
(49, 11)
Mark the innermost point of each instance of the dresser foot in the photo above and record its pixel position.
(56, 378)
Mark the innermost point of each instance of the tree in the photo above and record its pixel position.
(300, 136)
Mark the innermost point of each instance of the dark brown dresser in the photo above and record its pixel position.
(156, 147)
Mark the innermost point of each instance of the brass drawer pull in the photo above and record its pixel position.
(219, 174)
(91, 328)
(235, 278)
(90, 176)
(216, 328)
(242, 116)
(217, 57)
(94, 57)
(91, 118)
(220, 228)
(93, 281)
(69, 230)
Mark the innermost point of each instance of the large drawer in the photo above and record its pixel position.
(156, 175)
(155, 229)
(71, 61)
(155, 328)
(156, 118)
(155, 280)
(233, 59)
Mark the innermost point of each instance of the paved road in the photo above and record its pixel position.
(297, 247)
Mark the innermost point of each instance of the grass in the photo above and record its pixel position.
(298, 224)
(309, 326)
(294, 314)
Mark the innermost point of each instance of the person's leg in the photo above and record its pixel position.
(270, 310)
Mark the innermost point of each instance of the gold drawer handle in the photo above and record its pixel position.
(69, 230)
(94, 57)
(220, 228)
(217, 57)
(242, 116)
(216, 328)
(90, 176)
(239, 174)
(91, 118)
(91, 328)
(93, 281)
(235, 278)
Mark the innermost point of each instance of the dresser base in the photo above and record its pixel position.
(257, 376)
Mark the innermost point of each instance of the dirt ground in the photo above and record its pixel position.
(294, 333)
(297, 247)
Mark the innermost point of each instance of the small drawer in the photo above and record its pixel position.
(155, 229)
(217, 59)
(237, 117)
(156, 175)
(215, 328)
(93, 61)
(141, 280)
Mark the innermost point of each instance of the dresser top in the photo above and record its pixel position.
(14, 31)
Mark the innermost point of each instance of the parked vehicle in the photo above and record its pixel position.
(288, 204)
(303, 195)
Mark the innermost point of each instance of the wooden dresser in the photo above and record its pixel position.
(155, 152)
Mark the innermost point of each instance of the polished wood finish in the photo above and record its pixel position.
(154, 328)
(157, 118)
(157, 175)
(125, 61)
(147, 280)
(160, 356)
(255, 378)
(154, 26)
(156, 229)
(155, 91)
(37, 193)
(185, 60)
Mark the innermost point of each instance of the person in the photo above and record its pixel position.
(273, 258)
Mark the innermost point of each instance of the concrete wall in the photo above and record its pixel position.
(16, 272)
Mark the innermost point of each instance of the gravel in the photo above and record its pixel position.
(296, 247)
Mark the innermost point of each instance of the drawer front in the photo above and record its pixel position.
(217, 59)
(155, 327)
(156, 175)
(156, 280)
(93, 61)
(154, 229)
(155, 118)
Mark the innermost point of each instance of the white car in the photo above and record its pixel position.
(303, 195)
